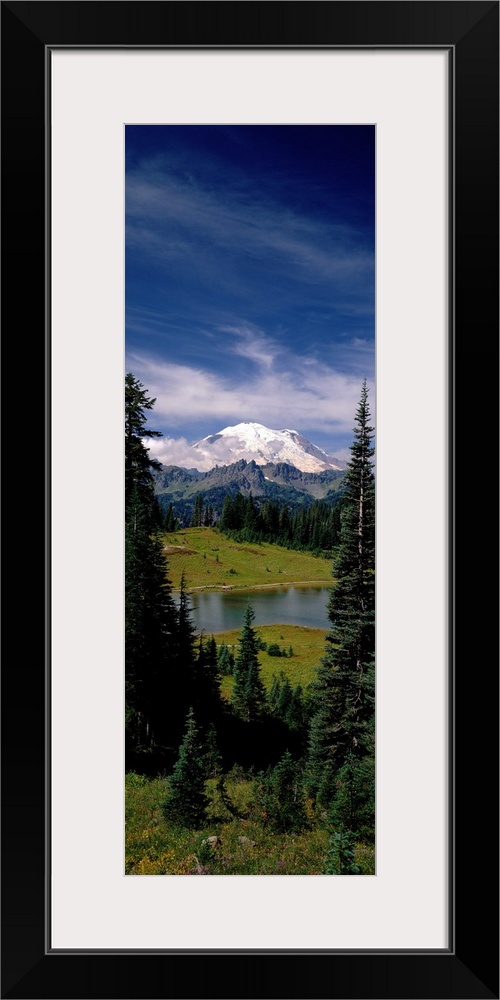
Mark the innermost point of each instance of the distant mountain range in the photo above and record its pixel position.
(277, 465)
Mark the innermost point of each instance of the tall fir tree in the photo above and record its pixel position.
(150, 614)
(342, 724)
(186, 802)
(207, 679)
(150, 636)
(249, 695)
(139, 466)
(197, 518)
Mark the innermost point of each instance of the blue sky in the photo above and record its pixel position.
(250, 278)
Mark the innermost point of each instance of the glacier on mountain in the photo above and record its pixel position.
(256, 442)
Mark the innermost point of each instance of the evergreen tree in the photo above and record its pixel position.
(186, 803)
(274, 693)
(185, 628)
(343, 692)
(213, 759)
(353, 804)
(171, 522)
(150, 614)
(224, 663)
(250, 522)
(227, 517)
(285, 698)
(281, 795)
(197, 518)
(206, 688)
(150, 636)
(139, 482)
(285, 525)
(295, 712)
(249, 696)
(271, 518)
(239, 511)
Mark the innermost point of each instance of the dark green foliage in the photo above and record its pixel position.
(343, 692)
(226, 522)
(251, 522)
(285, 698)
(225, 660)
(171, 521)
(205, 853)
(273, 649)
(185, 637)
(150, 625)
(164, 676)
(206, 687)
(213, 759)
(286, 703)
(314, 527)
(240, 505)
(186, 803)
(139, 467)
(281, 795)
(340, 856)
(321, 762)
(197, 518)
(249, 696)
(295, 716)
(150, 614)
(353, 804)
(274, 692)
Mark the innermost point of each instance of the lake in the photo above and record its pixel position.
(221, 610)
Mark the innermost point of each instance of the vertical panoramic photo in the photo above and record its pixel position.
(250, 500)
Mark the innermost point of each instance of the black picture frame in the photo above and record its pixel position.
(469, 969)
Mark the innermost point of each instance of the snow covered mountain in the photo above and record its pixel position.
(260, 444)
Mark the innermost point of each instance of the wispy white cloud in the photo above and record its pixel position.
(251, 343)
(170, 216)
(312, 397)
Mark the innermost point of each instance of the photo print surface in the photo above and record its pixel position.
(250, 500)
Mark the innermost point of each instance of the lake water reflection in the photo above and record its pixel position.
(221, 610)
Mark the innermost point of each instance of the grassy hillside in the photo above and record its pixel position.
(209, 560)
(246, 847)
(308, 646)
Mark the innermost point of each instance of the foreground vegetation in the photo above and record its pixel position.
(210, 560)
(247, 845)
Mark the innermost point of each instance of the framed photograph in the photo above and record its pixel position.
(221, 107)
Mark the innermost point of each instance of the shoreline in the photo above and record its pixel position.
(259, 586)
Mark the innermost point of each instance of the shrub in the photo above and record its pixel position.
(273, 649)
(281, 795)
(340, 855)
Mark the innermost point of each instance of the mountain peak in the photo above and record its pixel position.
(256, 442)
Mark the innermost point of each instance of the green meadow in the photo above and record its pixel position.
(307, 645)
(211, 561)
